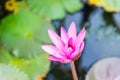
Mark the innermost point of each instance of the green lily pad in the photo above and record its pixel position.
(54, 9)
(5, 57)
(108, 5)
(8, 72)
(35, 67)
(23, 33)
(72, 6)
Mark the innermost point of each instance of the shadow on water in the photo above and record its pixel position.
(102, 40)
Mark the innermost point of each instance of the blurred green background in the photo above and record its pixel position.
(23, 29)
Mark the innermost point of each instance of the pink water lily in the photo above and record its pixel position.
(67, 47)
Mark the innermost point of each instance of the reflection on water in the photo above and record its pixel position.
(102, 39)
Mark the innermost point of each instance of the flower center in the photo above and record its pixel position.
(70, 47)
(70, 43)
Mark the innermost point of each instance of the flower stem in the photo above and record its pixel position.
(72, 65)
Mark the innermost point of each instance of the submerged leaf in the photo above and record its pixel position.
(8, 72)
(105, 69)
(108, 5)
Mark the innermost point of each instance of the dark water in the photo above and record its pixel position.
(102, 40)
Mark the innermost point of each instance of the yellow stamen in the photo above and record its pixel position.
(11, 5)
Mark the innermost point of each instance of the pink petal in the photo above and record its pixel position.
(80, 37)
(69, 51)
(55, 39)
(72, 30)
(64, 35)
(53, 51)
(53, 58)
(75, 55)
(81, 46)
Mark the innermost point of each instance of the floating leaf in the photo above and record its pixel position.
(108, 5)
(8, 72)
(72, 6)
(35, 68)
(23, 33)
(54, 9)
(5, 57)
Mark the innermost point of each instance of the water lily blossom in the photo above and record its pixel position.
(67, 47)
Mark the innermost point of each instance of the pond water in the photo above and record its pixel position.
(102, 40)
